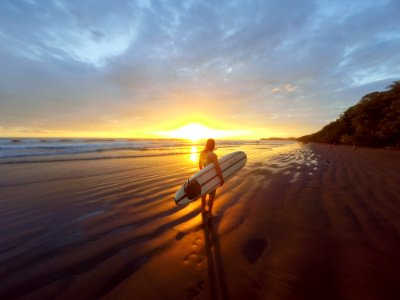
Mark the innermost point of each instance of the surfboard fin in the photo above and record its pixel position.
(192, 189)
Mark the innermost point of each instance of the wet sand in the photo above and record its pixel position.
(298, 222)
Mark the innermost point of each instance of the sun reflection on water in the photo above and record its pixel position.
(194, 154)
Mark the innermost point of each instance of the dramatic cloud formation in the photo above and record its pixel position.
(133, 68)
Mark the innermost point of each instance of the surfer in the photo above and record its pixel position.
(208, 156)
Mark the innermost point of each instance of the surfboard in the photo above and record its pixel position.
(207, 180)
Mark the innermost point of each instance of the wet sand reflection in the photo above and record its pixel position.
(216, 273)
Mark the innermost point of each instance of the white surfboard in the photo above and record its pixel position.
(207, 180)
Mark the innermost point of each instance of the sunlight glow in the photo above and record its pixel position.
(194, 155)
(197, 131)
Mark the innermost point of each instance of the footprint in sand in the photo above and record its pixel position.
(195, 290)
(193, 257)
(190, 257)
(254, 249)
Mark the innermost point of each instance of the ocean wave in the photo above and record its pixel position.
(72, 159)
(9, 148)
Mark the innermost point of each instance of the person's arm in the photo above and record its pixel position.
(200, 162)
(218, 168)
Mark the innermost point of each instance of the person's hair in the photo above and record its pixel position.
(210, 145)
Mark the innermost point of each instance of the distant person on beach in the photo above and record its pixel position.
(332, 144)
(355, 146)
(208, 156)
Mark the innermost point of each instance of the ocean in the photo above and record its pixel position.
(19, 150)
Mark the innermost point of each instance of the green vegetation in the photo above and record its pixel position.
(373, 121)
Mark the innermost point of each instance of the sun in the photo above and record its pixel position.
(195, 132)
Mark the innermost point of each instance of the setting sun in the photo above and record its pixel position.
(195, 132)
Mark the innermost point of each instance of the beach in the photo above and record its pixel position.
(297, 222)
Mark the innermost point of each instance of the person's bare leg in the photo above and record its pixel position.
(211, 201)
(203, 204)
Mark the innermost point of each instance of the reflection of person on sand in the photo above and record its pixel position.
(332, 143)
(208, 156)
(354, 146)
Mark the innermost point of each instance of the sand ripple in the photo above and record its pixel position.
(297, 220)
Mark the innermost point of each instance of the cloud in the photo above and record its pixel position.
(69, 63)
(86, 34)
(286, 88)
(290, 88)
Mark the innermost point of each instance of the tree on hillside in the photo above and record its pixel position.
(373, 121)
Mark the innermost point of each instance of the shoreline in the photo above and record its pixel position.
(396, 148)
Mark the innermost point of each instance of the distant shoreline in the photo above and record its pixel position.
(279, 139)
(396, 148)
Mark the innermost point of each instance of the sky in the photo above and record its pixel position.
(251, 69)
